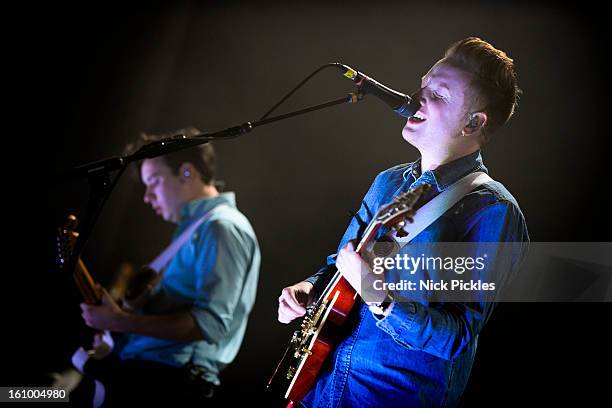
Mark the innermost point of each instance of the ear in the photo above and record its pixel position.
(186, 172)
(476, 122)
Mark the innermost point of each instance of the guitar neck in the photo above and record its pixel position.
(368, 236)
(86, 284)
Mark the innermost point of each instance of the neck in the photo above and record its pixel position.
(431, 160)
(206, 191)
(203, 191)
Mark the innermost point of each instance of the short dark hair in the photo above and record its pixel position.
(202, 157)
(493, 79)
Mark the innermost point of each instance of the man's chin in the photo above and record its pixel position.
(410, 136)
(173, 218)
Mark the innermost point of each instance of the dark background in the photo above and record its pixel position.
(91, 79)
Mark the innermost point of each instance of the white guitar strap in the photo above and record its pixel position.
(432, 210)
(166, 256)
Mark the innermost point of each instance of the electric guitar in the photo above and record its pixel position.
(321, 327)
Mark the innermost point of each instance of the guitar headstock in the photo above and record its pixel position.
(393, 215)
(399, 211)
(66, 239)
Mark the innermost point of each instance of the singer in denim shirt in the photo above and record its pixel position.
(418, 355)
(413, 353)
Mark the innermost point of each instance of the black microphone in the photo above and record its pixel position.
(400, 103)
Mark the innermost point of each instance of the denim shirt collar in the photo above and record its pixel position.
(448, 173)
(198, 207)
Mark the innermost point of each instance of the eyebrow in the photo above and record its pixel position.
(443, 85)
(148, 179)
(440, 84)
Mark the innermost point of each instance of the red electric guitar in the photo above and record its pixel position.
(321, 327)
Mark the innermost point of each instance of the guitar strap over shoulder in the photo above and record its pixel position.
(163, 259)
(437, 206)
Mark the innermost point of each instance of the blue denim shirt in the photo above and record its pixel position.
(214, 276)
(420, 354)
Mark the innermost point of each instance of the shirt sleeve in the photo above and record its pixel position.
(323, 275)
(445, 329)
(223, 258)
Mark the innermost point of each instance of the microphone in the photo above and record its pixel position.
(400, 103)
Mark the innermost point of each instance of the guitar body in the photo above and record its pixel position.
(323, 326)
(140, 288)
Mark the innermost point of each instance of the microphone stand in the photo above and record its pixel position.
(99, 173)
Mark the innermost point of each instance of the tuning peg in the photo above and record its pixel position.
(401, 233)
(399, 229)
(409, 215)
(72, 222)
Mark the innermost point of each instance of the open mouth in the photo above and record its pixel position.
(417, 118)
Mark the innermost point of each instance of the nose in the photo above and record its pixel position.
(419, 96)
(422, 99)
(148, 196)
